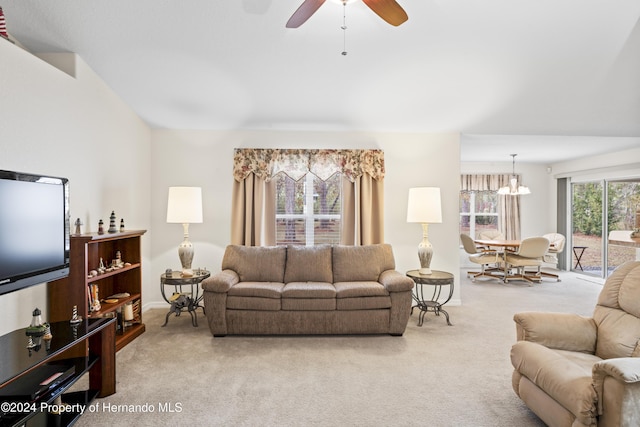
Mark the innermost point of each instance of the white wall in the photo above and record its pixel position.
(75, 127)
(204, 158)
(616, 165)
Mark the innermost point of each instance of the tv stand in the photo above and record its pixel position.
(20, 367)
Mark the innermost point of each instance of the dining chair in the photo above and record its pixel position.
(491, 234)
(530, 254)
(556, 246)
(488, 260)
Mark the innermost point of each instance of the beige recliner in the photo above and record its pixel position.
(577, 371)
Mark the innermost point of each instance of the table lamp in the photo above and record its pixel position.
(185, 207)
(424, 207)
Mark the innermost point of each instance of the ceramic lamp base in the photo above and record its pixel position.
(185, 252)
(425, 252)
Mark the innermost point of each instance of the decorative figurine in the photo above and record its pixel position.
(47, 332)
(95, 299)
(112, 222)
(78, 225)
(47, 337)
(100, 227)
(122, 225)
(75, 317)
(118, 261)
(36, 328)
(3, 26)
(101, 267)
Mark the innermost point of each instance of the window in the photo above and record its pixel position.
(311, 209)
(478, 211)
(308, 211)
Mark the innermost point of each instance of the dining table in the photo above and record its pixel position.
(503, 246)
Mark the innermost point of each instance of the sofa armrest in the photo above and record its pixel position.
(562, 331)
(394, 281)
(617, 384)
(221, 282)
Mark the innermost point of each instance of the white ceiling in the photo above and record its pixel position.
(480, 67)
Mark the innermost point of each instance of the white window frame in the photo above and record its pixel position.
(307, 215)
(473, 214)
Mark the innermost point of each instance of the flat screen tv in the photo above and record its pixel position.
(34, 229)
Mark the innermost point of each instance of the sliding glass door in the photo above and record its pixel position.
(623, 201)
(592, 220)
(587, 212)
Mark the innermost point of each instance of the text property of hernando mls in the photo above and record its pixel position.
(78, 408)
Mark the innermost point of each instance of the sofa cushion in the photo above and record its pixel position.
(359, 289)
(256, 263)
(361, 263)
(563, 375)
(257, 289)
(308, 304)
(308, 264)
(308, 290)
(363, 303)
(253, 303)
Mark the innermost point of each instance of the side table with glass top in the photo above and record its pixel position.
(437, 279)
(183, 300)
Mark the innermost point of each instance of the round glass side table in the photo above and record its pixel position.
(437, 279)
(183, 300)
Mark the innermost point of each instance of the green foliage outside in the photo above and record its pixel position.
(623, 201)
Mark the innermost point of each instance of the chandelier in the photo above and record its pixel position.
(513, 189)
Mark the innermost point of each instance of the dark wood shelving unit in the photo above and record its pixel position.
(18, 363)
(86, 251)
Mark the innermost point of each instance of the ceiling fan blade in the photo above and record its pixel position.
(304, 12)
(389, 10)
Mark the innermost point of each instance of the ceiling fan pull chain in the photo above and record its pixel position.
(344, 27)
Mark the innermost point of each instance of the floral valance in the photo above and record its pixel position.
(483, 182)
(296, 163)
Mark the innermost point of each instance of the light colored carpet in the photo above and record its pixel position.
(436, 374)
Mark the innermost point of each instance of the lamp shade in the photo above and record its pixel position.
(424, 205)
(184, 205)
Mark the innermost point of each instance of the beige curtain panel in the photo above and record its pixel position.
(508, 205)
(253, 197)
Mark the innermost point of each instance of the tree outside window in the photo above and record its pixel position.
(308, 211)
(478, 212)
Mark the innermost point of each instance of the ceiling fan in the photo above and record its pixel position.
(389, 10)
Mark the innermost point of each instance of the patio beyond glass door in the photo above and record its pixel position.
(587, 228)
(592, 220)
(623, 200)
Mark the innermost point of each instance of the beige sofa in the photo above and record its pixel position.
(578, 371)
(307, 290)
